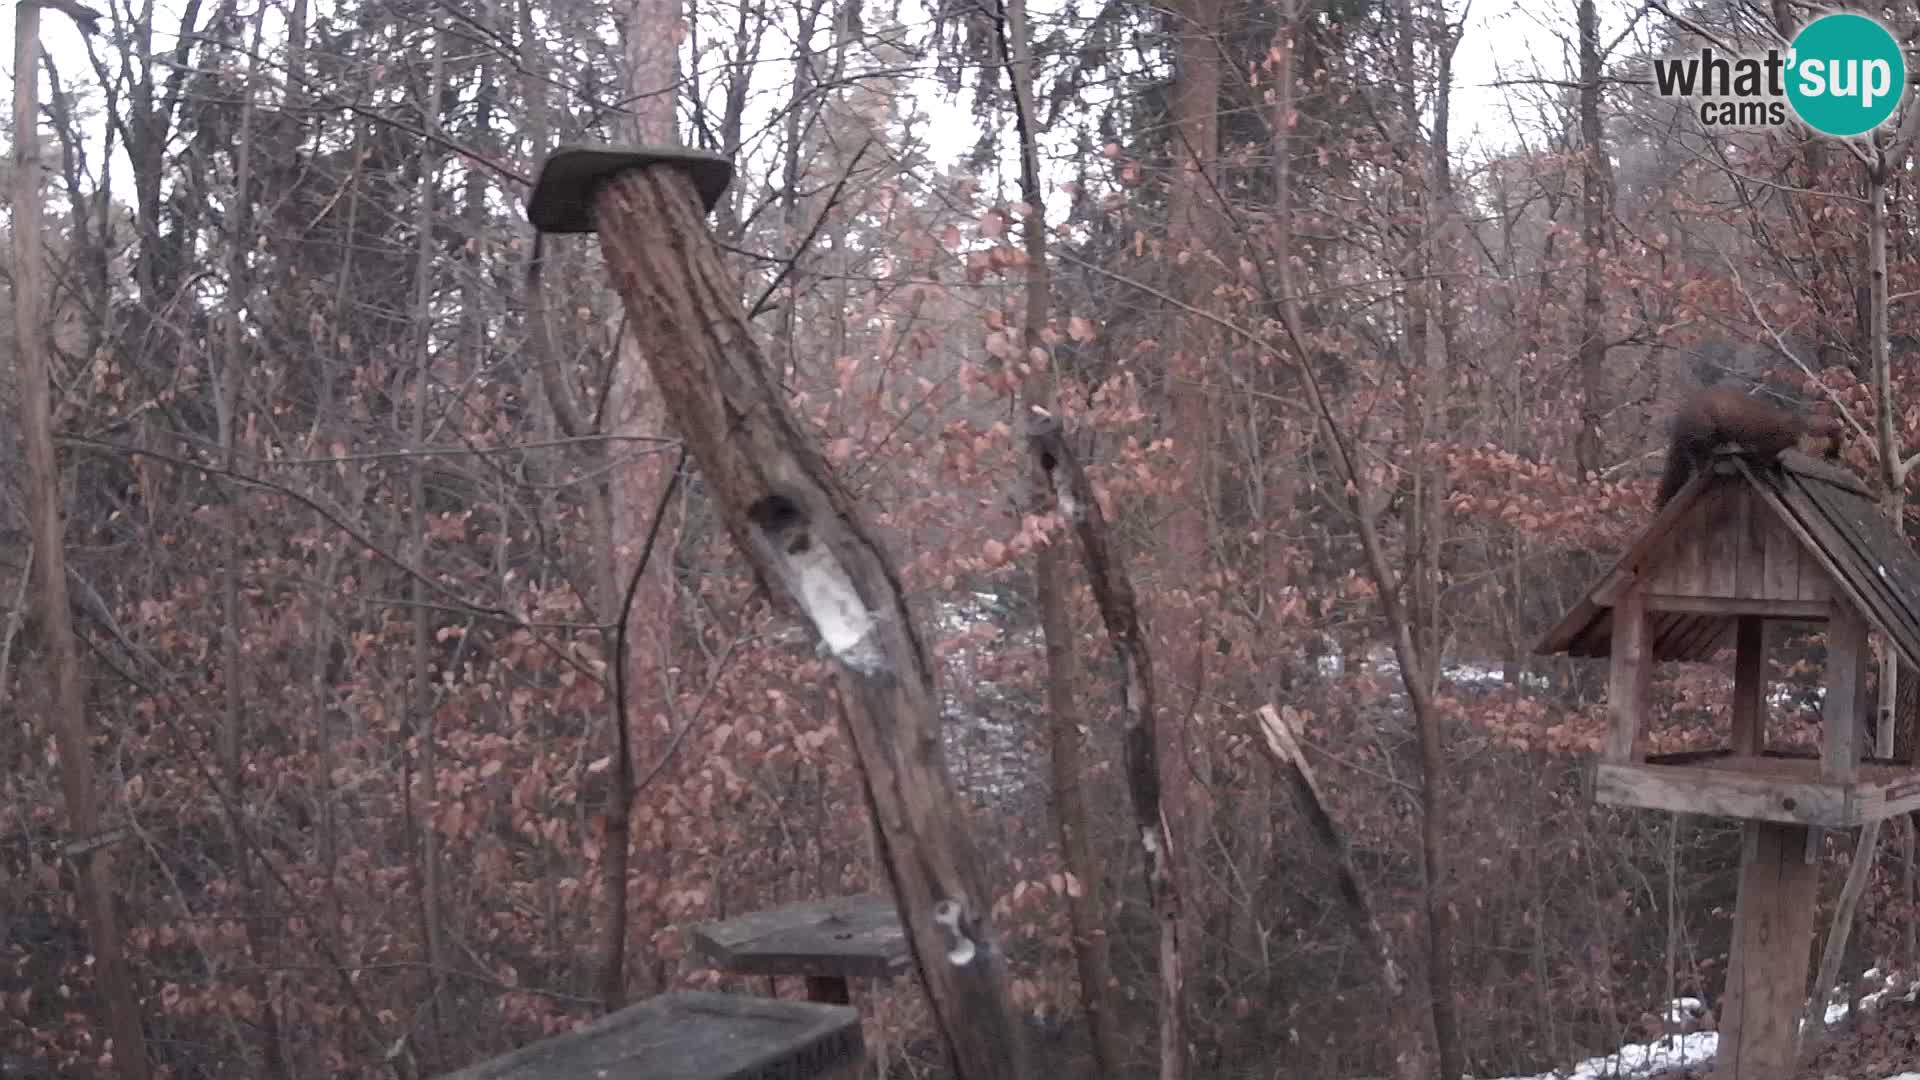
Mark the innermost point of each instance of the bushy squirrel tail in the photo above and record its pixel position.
(1719, 415)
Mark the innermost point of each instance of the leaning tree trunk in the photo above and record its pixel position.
(1070, 493)
(807, 540)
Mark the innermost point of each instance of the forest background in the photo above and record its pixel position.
(1367, 357)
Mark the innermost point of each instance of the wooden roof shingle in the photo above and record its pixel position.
(1829, 510)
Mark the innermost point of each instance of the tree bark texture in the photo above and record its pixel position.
(1893, 485)
(1194, 231)
(429, 1038)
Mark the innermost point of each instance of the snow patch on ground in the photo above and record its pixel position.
(1639, 1059)
(1697, 1048)
(1870, 1002)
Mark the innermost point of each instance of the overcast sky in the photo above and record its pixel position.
(1505, 39)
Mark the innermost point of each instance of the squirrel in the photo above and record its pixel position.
(1720, 414)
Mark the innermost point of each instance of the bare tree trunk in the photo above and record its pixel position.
(93, 859)
(1416, 273)
(635, 487)
(1444, 230)
(555, 375)
(1866, 846)
(1910, 936)
(1086, 907)
(795, 137)
(1072, 495)
(1593, 219)
(226, 403)
(421, 706)
(16, 618)
(1671, 853)
(338, 357)
(1893, 470)
(227, 400)
(1421, 558)
(1828, 281)
(1182, 626)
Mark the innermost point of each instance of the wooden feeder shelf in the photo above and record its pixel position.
(826, 941)
(1777, 786)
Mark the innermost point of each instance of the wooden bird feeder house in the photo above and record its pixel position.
(1744, 543)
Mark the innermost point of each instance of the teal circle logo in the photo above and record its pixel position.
(1848, 74)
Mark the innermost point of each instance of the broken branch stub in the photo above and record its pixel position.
(806, 539)
(1283, 749)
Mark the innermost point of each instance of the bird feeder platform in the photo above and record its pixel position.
(562, 199)
(825, 941)
(695, 1036)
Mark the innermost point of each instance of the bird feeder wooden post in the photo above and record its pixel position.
(809, 543)
(1746, 543)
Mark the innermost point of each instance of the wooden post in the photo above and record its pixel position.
(1629, 676)
(1840, 712)
(1772, 939)
(1846, 686)
(1749, 686)
(809, 543)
